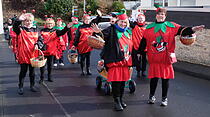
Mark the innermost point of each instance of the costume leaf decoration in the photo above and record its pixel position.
(122, 11)
(160, 26)
(158, 39)
(119, 34)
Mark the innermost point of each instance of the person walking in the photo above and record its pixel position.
(159, 40)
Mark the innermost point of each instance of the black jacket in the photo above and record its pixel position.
(111, 51)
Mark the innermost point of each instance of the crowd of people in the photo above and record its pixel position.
(127, 44)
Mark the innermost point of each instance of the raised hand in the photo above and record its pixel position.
(95, 28)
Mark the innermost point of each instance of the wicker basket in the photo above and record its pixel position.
(39, 61)
(95, 42)
(187, 40)
(72, 56)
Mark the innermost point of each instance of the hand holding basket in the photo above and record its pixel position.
(38, 61)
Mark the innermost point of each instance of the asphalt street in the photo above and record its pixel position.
(72, 95)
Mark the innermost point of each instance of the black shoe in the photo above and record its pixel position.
(33, 89)
(83, 73)
(20, 91)
(89, 72)
(143, 74)
(50, 80)
(117, 104)
(124, 105)
(41, 81)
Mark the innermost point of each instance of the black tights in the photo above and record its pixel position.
(85, 56)
(153, 86)
(49, 67)
(118, 88)
(22, 74)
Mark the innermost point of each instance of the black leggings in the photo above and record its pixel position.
(153, 86)
(139, 62)
(22, 74)
(118, 88)
(49, 67)
(85, 56)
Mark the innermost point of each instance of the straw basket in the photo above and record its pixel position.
(95, 42)
(38, 61)
(187, 40)
(72, 56)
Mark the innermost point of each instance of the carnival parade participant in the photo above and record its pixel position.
(139, 60)
(62, 43)
(80, 41)
(159, 40)
(28, 40)
(73, 29)
(50, 37)
(117, 56)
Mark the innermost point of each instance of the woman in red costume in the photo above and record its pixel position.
(117, 56)
(50, 37)
(27, 41)
(139, 60)
(80, 40)
(62, 43)
(159, 40)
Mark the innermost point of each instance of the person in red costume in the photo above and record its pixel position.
(159, 40)
(139, 60)
(28, 40)
(62, 43)
(117, 56)
(73, 29)
(80, 40)
(50, 37)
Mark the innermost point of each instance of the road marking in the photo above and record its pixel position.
(57, 101)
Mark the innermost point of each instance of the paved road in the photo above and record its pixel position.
(74, 96)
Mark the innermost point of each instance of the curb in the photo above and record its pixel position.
(196, 70)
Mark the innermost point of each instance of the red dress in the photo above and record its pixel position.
(83, 46)
(158, 50)
(51, 41)
(119, 71)
(137, 34)
(25, 48)
(14, 40)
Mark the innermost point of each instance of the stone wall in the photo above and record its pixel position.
(199, 52)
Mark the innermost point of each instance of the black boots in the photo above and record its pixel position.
(88, 71)
(20, 90)
(50, 78)
(117, 104)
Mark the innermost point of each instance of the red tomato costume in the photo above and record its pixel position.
(119, 71)
(25, 46)
(159, 45)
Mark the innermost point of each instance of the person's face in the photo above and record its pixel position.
(50, 25)
(87, 20)
(141, 19)
(59, 23)
(28, 22)
(113, 20)
(74, 20)
(122, 23)
(160, 17)
(9, 21)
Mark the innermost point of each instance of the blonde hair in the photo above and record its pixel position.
(50, 20)
(29, 16)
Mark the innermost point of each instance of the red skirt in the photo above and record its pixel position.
(118, 71)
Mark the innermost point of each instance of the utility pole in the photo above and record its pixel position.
(84, 5)
(1, 18)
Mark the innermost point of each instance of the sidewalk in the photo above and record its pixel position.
(196, 70)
